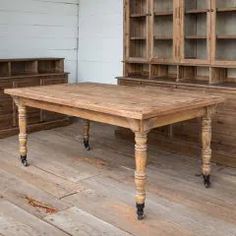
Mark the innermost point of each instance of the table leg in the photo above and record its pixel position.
(86, 134)
(23, 133)
(140, 175)
(206, 149)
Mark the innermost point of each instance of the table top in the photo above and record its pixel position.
(125, 101)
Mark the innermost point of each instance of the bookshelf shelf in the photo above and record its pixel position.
(225, 37)
(196, 37)
(197, 11)
(138, 38)
(138, 15)
(229, 9)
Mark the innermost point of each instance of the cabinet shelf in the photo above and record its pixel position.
(138, 15)
(164, 78)
(138, 38)
(191, 81)
(196, 37)
(226, 85)
(197, 11)
(225, 37)
(228, 9)
(137, 60)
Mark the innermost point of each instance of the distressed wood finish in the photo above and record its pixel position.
(118, 105)
(206, 145)
(23, 131)
(140, 173)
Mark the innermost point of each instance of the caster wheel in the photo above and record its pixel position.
(24, 161)
(206, 181)
(87, 145)
(140, 211)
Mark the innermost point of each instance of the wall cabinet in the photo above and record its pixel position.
(17, 73)
(195, 33)
(186, 45)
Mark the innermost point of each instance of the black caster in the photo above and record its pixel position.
(87, 145)
(24, 161)
(206, 181)
(140, 211)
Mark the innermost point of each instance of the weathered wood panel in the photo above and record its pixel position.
(224, 129)
(16, 222)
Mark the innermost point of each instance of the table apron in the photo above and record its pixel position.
(174, 118)
(134, 124)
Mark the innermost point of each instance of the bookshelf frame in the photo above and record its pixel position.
(168, 48)
(213, 74)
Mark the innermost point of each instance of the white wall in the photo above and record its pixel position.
(100, 40)
(40, 28)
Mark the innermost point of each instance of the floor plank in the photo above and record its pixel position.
(39, 177)
(17, 222)
(29, 197)
(110, 200)
(88, 225)
(99, 185)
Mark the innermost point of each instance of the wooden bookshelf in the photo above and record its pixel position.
(15, 73)
(224, 43)
(184, 44)
(191, 33)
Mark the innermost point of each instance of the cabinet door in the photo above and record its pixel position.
(164, 30)
(224, 32)
(195, 31)
(136, 30)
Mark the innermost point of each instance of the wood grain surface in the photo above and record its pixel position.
(124, 101)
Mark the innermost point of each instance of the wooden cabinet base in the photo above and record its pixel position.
(184, 137)
(36, 127)
(221, 154)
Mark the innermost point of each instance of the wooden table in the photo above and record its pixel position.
(139, 109)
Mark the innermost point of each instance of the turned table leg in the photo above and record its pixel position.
(86, 135)
(23, 133)
(206, 149)
(140, 175)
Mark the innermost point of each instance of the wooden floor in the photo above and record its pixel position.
(68, 191)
